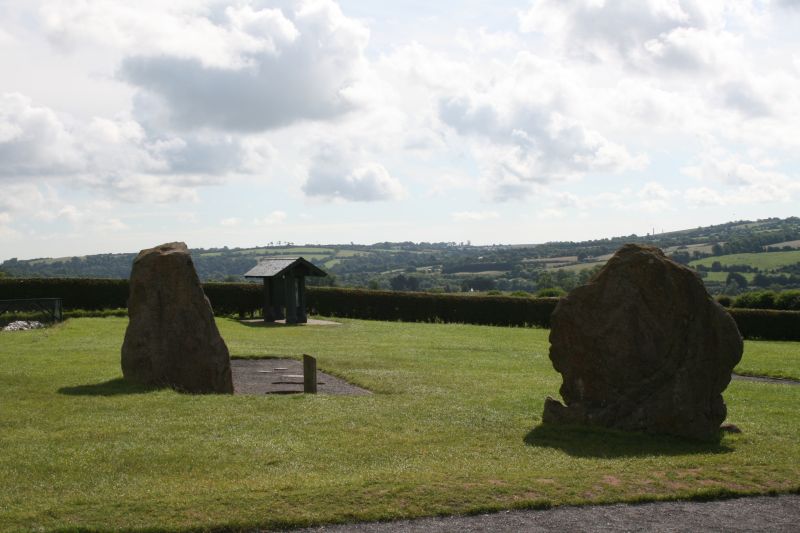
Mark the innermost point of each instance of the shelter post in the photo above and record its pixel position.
(302, 317)
(291, 298)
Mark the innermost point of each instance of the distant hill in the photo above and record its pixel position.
(450, 266)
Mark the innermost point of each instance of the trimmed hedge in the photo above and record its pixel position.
(245, 299)
(784, 300)
(431, 307)
(96, 294)
(767, 324)
(76, 293)
(235, 298)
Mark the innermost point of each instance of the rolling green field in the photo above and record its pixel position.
(723, 276)
(762, 261)
(453, 426)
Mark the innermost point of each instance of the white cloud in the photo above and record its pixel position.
(685, 35)
(524, 134)
(29, 199)
(589, 26)
(741, 182)
(144, 188)
(485, 41)
(118, 156)
(231, 93)
(704, 196)
(474, 216)
(789, 4)
(34, 140)
(26, 204)
(338, 173)
(550, 213)
(655, 198)
(368, 183)
(231, 222)
(274, 67)
(209, 31)
(276, 217)
(6, 39)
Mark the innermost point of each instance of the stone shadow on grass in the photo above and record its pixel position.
(112, 387)
(581, 441)
(262, 324)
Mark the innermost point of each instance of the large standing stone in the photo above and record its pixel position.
(643, 347)
(172, 338)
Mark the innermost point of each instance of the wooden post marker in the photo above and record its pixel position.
(309, 374)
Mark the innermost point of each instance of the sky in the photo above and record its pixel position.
(124, 125)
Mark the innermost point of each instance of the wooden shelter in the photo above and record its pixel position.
(285, 287)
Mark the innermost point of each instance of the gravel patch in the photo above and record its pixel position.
(761, 513)
(23, 325)
(284, 376)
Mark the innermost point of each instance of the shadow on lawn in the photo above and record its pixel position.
(579, 441)
(112, 387)
(262, 324)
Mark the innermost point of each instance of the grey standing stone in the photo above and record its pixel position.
(643, 347)
(172, 339)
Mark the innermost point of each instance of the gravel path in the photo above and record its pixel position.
(763, 379)
(762, 513)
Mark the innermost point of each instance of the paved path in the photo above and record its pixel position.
(762, 513)
(762, 379)
(283, 376)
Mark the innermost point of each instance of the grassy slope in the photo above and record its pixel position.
(763, 261)
(445, 432)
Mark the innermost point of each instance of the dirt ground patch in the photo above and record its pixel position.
(284, 376)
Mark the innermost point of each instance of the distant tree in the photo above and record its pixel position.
(479, 284)
(681, 257)
(553, 292)
(404, 283)
(398, 283)
(716, 266)
(545, 280)
(736, 278)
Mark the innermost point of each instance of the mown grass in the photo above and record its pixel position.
(777, 359)
(453, 427)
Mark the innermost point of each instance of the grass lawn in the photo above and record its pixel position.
(452, 428)
(777, 359)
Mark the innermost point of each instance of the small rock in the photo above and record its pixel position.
(23, 325)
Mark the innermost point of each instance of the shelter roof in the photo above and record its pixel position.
(269, 267)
